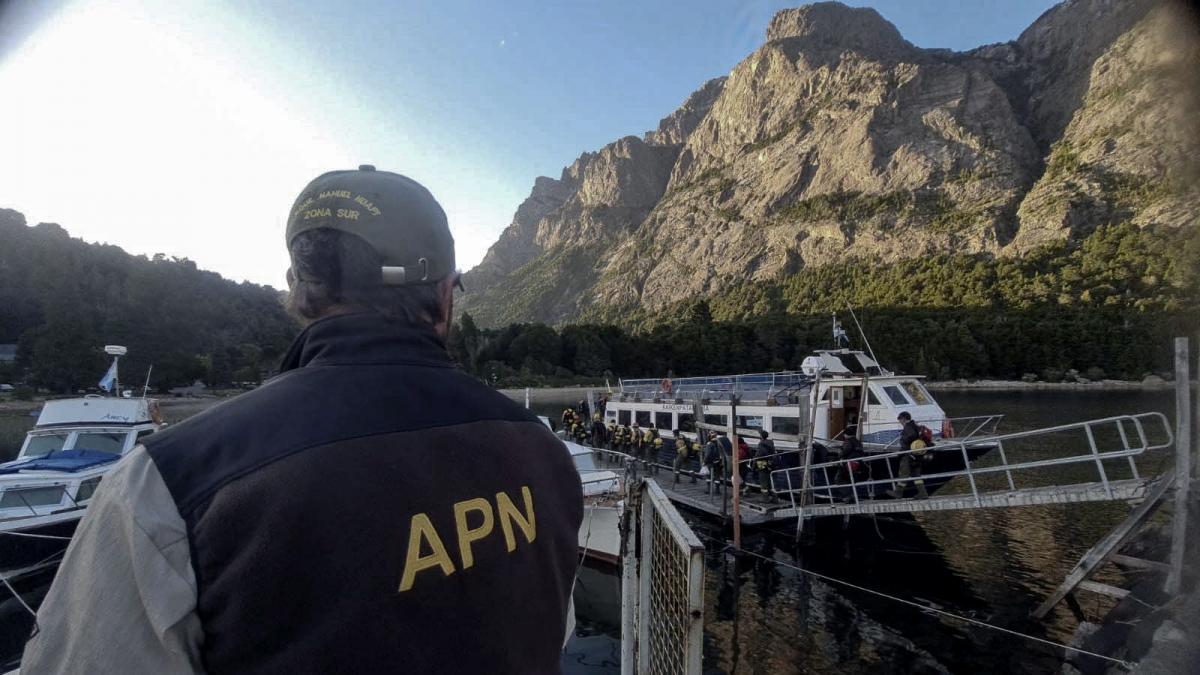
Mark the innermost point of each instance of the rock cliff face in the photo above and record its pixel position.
(838, 140)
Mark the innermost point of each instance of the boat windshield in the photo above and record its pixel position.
(101, 441)
(916, 392)
(583, 462)
(40, 445)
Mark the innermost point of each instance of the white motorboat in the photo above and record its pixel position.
(603, 500)
(47, 488)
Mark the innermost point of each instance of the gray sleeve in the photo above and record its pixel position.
(124, 599)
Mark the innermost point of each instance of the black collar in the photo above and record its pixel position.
(365, 339)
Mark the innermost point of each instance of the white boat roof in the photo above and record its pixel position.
(97, 410)
(843, 362)
(830, 363)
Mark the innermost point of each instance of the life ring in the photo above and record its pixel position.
(666, 385)
(947, 429)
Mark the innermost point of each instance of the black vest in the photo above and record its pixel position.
(373, 509)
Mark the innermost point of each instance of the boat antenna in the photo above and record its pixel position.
(863, 334)
(839, 336)
(146, 387)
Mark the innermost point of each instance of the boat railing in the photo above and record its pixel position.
(766, 386)
(609, 462)
(965, 429)
(1123, 437)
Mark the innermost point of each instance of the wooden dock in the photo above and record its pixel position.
(756, 509)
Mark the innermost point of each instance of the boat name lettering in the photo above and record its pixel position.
(677, 407)
(474, 520)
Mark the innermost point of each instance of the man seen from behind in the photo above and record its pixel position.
(371, 509)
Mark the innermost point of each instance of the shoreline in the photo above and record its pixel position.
(1019, 385)
(576, 393)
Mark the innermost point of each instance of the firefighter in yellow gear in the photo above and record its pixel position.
(684, 452)
(655, 447)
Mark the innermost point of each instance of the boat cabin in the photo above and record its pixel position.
(64, 456)
(833, 390)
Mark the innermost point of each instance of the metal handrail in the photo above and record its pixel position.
(978, 424)
(1126, 450)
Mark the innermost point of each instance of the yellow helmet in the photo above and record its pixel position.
(918, 447)
(658, 442)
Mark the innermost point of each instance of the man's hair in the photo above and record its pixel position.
(332, 268)
(904, 416)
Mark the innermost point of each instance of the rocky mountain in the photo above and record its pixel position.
(840, 143)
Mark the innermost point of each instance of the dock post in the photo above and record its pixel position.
(1183, 460)
(737, 474)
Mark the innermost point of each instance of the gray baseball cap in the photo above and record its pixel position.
(394, 214)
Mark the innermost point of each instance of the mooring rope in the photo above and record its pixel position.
(21, 600)
(583, 556)
(32, 535)
(983, 624)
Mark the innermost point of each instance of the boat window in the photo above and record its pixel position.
(87, 488)
(872, 399)
(41, 444)
(916, 392)
(34, 496)
(101, 441)
(687, 422)
(623, 418)
(893, 393)
(749, 422)
(643, 418)
(718, 420)
(146, 432)
(825, 396)
(662, 420)
(786, 425)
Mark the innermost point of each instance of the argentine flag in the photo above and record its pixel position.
(110, 378)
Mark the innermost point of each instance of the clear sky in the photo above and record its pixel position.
(188, 127)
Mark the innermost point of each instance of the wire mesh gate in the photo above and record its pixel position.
(662, 603)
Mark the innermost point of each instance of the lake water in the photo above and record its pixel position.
(762, 617)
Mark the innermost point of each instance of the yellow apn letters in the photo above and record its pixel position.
(422, 534)
(422, 530)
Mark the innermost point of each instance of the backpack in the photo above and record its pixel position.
(926, 434)
(712, 453)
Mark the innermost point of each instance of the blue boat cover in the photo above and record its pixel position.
(69, 461)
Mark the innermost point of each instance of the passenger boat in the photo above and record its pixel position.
(47, 488)
(834, 389)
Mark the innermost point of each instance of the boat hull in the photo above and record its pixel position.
(28, 542)
(600, 533)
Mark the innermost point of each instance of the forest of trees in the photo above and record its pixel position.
(1105, 308)
(62, 299)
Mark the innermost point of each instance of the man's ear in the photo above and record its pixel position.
(291, 278)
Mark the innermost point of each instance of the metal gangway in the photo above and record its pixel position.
(996, 470)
